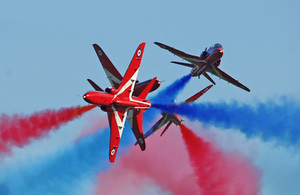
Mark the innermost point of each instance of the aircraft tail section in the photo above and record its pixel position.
(112, 73)
(147, 89)
(139, 87)
(126, 86)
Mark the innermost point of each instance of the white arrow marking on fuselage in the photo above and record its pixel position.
(119, 121)
(131, 81)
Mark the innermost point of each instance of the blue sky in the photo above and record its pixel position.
(47, 54)
(47, 49)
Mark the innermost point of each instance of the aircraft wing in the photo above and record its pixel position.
(116, 122)
(199, 94)
(112, 73)
(161, 122)
(221, 74)
(190, 58)
(127, 85)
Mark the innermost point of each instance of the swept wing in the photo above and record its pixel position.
(221, 74)
(116, 122)
(190, 58)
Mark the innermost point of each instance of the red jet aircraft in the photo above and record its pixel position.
(173, 118)
(117, 102)
(208, 61)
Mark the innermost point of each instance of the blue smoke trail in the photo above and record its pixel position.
(168, 94)
(268, 120)
(62, 172)
(165, 96)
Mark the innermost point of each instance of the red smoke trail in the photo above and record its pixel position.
(164, 163)
(217, 172)
(17, 130)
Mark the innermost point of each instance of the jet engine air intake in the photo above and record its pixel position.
(111, 90)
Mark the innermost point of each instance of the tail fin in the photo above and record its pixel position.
(147, 89)
(127, 84)
(139, 87)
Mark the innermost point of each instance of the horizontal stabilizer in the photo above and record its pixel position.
(161, 45)
(95, 86)
(183, 64)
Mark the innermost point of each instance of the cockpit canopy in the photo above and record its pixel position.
(217, 45)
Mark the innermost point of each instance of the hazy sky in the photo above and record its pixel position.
(47, 51)
(47, 55)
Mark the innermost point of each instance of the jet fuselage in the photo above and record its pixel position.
(176, 119)
(211, 57)
(108, 99)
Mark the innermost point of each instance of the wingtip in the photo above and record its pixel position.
(143, 149)
(246, 89)
(210, 86)
(112, 159)
(160, 45)
(96, 45)
(143, 146)
(143, 44)
(162, 133)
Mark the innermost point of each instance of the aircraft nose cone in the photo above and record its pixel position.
(86, 97)
(221, 52)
